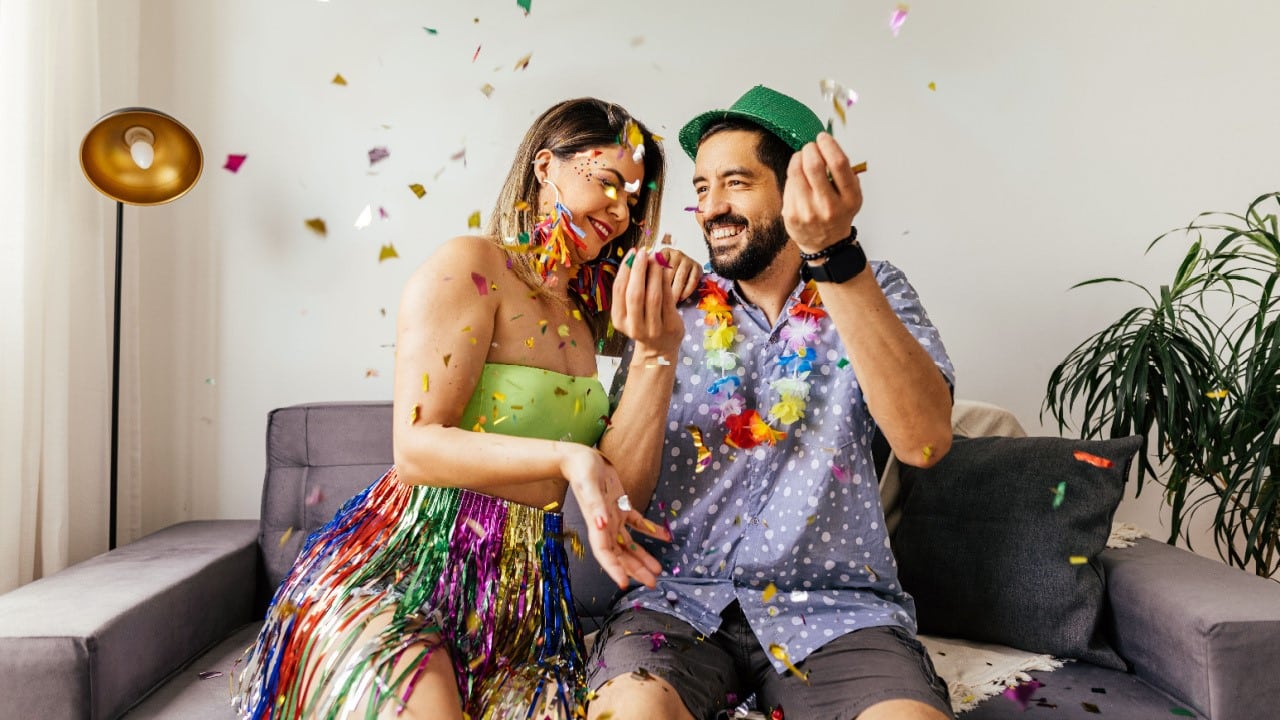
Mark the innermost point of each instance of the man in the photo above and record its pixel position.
(779, 580)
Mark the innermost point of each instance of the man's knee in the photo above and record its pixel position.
(626, 697)
(902, 710)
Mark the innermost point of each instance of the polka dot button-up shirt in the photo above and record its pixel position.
(803, 516)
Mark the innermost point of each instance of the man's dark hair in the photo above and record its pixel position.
(772, 152)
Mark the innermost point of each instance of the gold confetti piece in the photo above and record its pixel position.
(859, 168)
(487, 89)
(871, 573)
(338, 80)
(563, 331)
(473, 222)
(499, 397)
(473, 622)
(577, 406)
(528, 342)
(388, 252)
(927, 452)
(426, 382)
(371, 373)
(704, 454)
(317, 226)
(635, 137)
(611, 192)
(769, 591)
(835, 103)
(1216, 394)
(577, 315)
(933, 86)
(418, 189)
(466, 329)
(523, 62)
(285, 537)
(560, 392)
(1078, 559)
(542, 325)
(780, 653)
(413, 414)
(551, 506)
(446, 359)
(521, 206)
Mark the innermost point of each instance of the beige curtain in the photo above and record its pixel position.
(56, 279)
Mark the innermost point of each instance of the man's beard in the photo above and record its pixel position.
(764, 243)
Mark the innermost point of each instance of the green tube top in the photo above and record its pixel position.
(537, 403)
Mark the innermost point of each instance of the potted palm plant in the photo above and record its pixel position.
(1195, 370)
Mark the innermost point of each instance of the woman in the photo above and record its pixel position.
(441, 589)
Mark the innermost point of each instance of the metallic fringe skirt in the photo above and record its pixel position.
(483, 577)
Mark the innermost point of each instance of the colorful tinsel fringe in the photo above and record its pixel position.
(486, 576)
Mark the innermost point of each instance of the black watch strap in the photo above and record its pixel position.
(843, 264)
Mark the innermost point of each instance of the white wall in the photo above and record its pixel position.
(1060, 140)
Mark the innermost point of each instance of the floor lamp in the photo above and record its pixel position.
(137, 156)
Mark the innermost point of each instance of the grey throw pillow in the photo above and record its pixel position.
(999, 542)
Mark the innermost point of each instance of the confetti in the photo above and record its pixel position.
(658, 640)
(704, 454)
(933, 86)
(413, 414)
(431, 31)
(315, 496)
(524, 5)
(551, 506)
(780, 653)
(426, 382)
(523, 62)
(859, 168)
(370, 373)
(563, 331)
(692, 209)
(377, 155)
(841, 475)
(284, 538)
(842, 363)
(769, 591)
(898, 17)
(418, 190)
(338, 80)
(871, 574)
(838, 95)
(473, 622)
(446, 359)
(1059, 493)
(387, 252)
(317, 226)
(209, 674)
(473, 221)
(1181, 712)
(1216, 394)
(1078, 559)
(234, 162)
(529, 343)
(1021, 693)
(365, 218)
(487, 89)
(482, 285)
(927, 451)
(1090, 708)
(1093, 460)
(473, 57)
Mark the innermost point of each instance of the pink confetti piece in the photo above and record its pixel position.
(482, 285)
(841, 475)
(382, 213)
(658, 639)
(1021, 693)
(315, 496)
(234, 162)
(692, 209)
(473, 57)
(898, 17)
(378, 154)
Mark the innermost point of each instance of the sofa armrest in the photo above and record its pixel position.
(1204, 632)
(93, 639)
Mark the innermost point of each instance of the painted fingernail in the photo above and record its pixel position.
(601, 522)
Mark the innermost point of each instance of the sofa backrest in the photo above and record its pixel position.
(321, 454)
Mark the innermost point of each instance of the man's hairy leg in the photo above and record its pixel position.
(628, 697)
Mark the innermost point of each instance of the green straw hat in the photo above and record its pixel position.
(782, 115)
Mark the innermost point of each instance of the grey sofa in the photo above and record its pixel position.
(144, 631)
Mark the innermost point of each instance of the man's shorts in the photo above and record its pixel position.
(715, 674)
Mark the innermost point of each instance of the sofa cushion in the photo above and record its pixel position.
(999, 542)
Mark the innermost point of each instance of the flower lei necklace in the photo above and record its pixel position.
(746, 429)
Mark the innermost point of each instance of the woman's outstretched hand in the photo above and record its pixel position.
(594, 482)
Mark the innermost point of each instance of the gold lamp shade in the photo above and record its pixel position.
(109, 165)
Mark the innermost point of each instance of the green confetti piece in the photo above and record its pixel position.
(1059, 493)
(431, 31)
(524, 5)
(1182, 712)
(842, 363)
